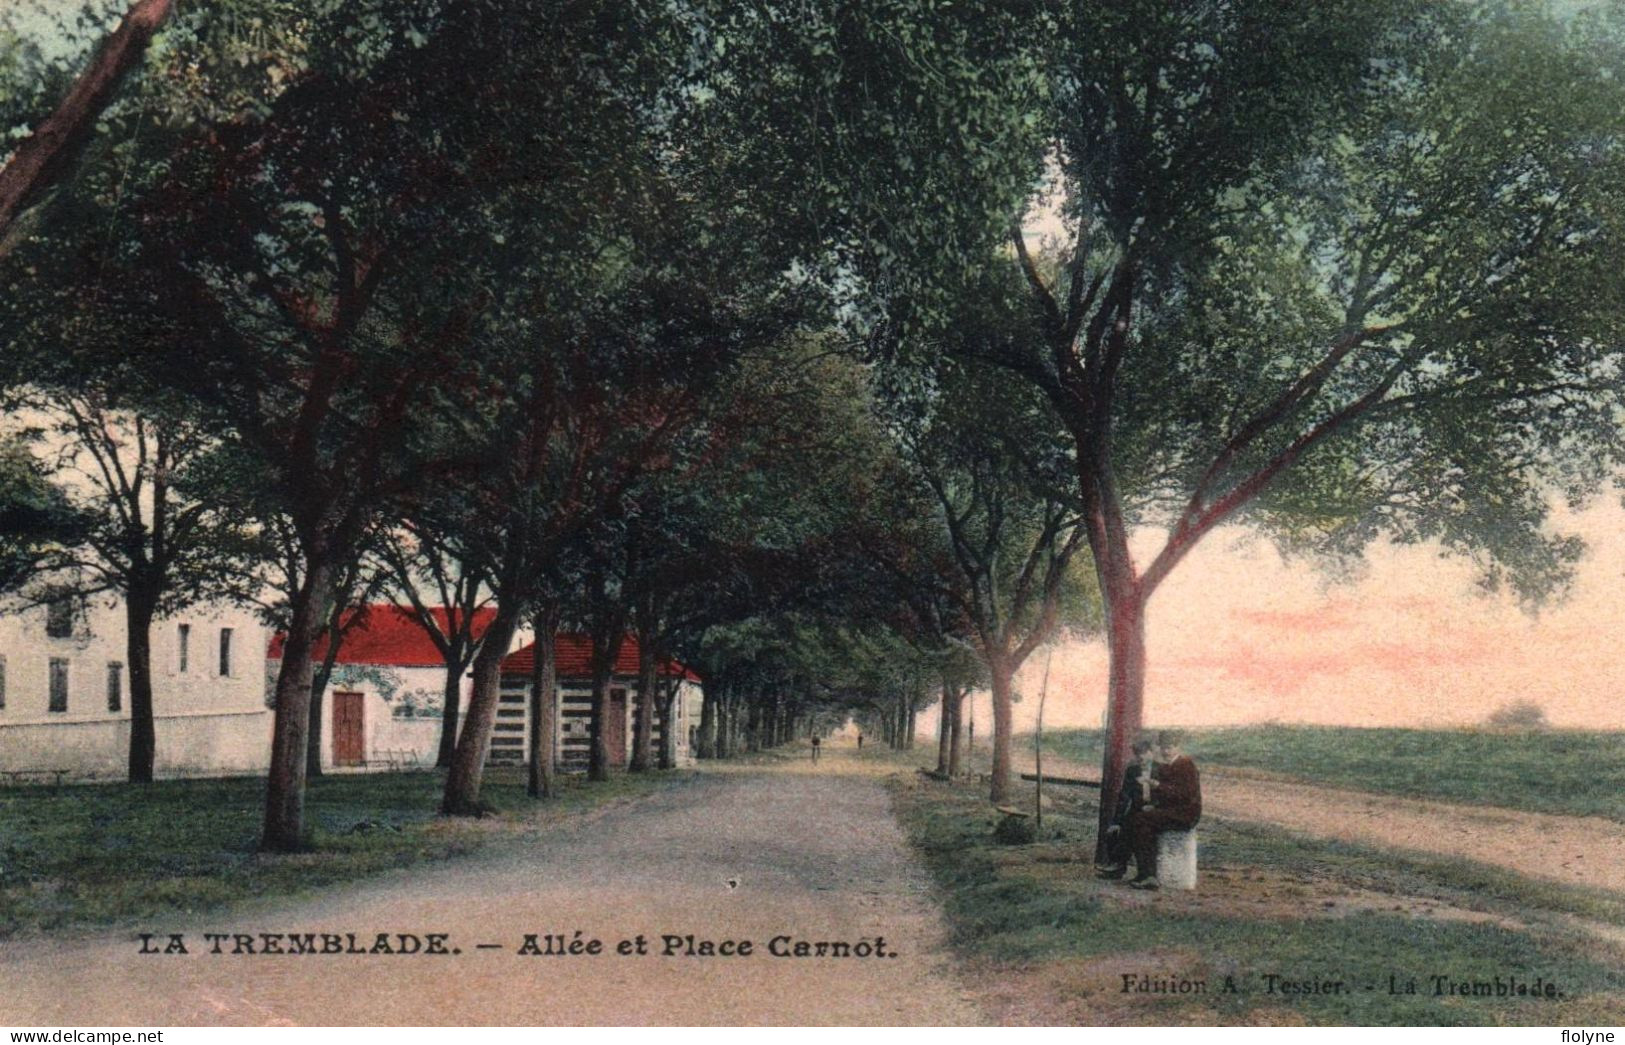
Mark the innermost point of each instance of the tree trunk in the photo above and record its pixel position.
(911, 727)
(955, 729)
(668, 724)
(730, 730)
(943, 716)
(648, 680)
(608, 632)
(708, 723)
(1002, 675)
(462, 794)
(543, 705)
(753, 728)
(1125, 700)
(284, 830)
(725, 717)
(598, 745)
(451, 709)
(318, 693)
(313, 740)
(139, 610)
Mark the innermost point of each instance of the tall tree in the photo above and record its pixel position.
(990, 566)
(134, 470)
(320, 247)
(1361, 315)
(428, 556)
(1334, 273)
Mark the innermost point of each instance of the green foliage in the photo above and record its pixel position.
(135, 471)
(1014, 830)
(1519, 714)
(987, 475)
(890, 140)
(37, 522)
(1437, 194)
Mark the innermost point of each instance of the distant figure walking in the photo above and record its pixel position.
(1175, 804)
(815, 746)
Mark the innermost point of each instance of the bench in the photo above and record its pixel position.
(19, 777)
(1176, 859)
(392, 758)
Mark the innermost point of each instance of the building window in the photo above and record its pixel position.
(59, 684)
(59, 619)
(183, 646)
(225, 652)
(115, 686)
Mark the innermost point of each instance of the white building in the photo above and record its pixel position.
(382, 706)
(510, 741)
(65, 691)
(65, 694)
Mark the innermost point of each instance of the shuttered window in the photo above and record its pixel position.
(59, 619)
(59, 684)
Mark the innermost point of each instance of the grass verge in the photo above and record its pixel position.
(1052, 944)
(1542, 771)
(101, 853)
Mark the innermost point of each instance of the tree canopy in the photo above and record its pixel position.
(724, 321)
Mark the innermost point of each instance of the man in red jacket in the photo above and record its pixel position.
(1175, 805)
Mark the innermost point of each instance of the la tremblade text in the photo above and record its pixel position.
(539, 945)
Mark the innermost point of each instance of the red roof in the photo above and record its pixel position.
(388, 635)
(573, 659)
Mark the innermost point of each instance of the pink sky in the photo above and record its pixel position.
(1237, 636)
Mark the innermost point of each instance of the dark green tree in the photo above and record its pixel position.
(135, 471)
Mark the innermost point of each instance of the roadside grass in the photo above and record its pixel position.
(1542, 771)
(1032, 921)
(100, 853)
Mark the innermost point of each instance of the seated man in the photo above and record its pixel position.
(1136, 785)
(1175, 805)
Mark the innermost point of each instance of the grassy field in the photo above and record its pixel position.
(1546, 771)
(105, 852)
(1049, 943)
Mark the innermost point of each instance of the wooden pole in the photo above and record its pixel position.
(1038, 749)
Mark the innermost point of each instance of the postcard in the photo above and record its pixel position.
(713, 513)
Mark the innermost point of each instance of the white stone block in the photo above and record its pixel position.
(1176, 859)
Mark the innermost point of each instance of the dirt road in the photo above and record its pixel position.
(1574, 850)
(740, 855)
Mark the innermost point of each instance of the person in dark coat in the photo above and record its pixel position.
(1132, 795)
(1175, 804)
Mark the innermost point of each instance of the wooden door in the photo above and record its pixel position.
(349, 740)
(615, 727)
